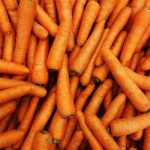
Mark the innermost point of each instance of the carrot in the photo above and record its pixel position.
(121, 109)
(26, 15)
(120, 76)
(86, 52)
(8, 47)
(84, 144)
(106, 9)
(12, 9)
(79, 90)
(4, 20)
(97, 98)
(119, 6)
(73, 2)
(140, 24)
(100, 132)
(100, 73)
(71, 41)
(63, 95)
(23, 107)
(115, 29)
(40, 120)
(55, 58)
(19, 77)
(133, 148)
(9, 138)
(108, 99)
(75, 141)
(138, 69)
(137, 135)
(39, 73)
(113, 108)
(7, 109)
(94, 144)
(1, 43)
(145, 64)
(58, 128)
(146, 143)
(50, 8)
(88, 18)
(147, 5)
(132, 125)
(122, 141)
(39, 31)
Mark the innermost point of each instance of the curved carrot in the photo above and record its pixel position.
(108, 99)
(63, 95)
(40, 120)
(146, 141)
(88, 18)
(57, 128)
(140, 24)
(4, 123)
(39, 74)
(86, 52)
(26, 15)
(120, 76)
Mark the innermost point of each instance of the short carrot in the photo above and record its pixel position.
(108, 99)
(146, 141)
(4, 123)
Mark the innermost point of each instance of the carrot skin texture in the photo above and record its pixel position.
(146, 143)
(4, 123)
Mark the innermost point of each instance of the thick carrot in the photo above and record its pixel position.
(119, 6)
(139, 27)
(58, 128)
(40, 120)
(115, 29)
(39, 73)
(39, 31)
(57, 50)
(120, 76)
(88, 19)
(50, 8)
(7, 109)
(12, 9)
(106, 9)
(108, 99)
(4, 20)
(122, 142)
(26, 15)
(10, 137)
(86, 52)
(101, 133)
(75, 141)
(4, 123)
(146, 141)
(97, 98)
(94, 144)
(112, 109)
(63, 95)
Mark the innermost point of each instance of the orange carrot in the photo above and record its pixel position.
(122, 141)
(84, 144)
(120, 76)
(9, 138)
(58, 128)
(75, 141)
(39, 73)
(119, 6)
(39, 31)
(137, 135)
(4, 20)
(146, 141)
(40, 120)
(26, 15)
(86, 52)
(140, 25)
(71, 41)
(145, 64)
(12, 9)
(79, 90)
(73, 2)
(4, 123)
(147, 5)
(100, 132)
(1, 43)
(108, 99)
(63, 95)
(97, 98)
(88, 18)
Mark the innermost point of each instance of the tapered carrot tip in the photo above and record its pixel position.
(96, 80)
(69, 116)
(72, 73)
(55, 141)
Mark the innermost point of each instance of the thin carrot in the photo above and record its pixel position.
(4, 20)
(39, 73)
(86, 52)
(88, 19)
(146, 141)
(10, 137)
(79, 90)
(4, 123)
(140, 25)
(120, 76)
(119, 6)
(26, 15)
(71, 41)
(108, 99)
(63, 95)
(58, 128)
(40, 120)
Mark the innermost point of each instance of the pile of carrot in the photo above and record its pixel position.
(75, 74)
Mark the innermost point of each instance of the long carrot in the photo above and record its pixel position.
(86, 52)
(4, 123)
(88, 18)
(40, 120)
(120, 76)
(39, 73)
(140, 25)
(63, 95)
(26, 15)
(146, 141)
